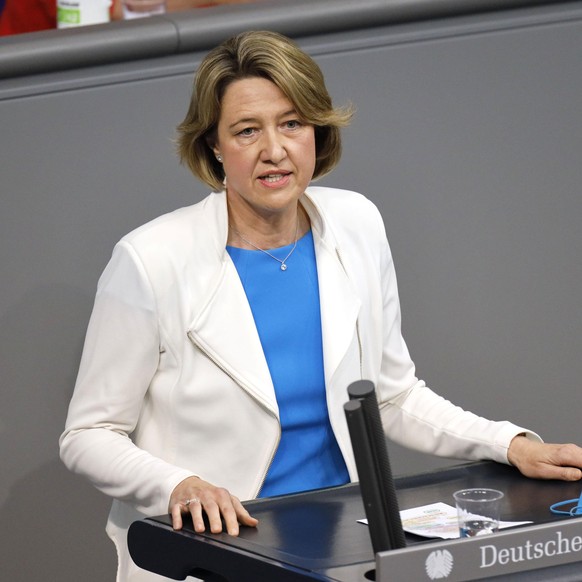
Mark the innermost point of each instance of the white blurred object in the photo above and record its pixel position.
(141, 8)
(72, 13)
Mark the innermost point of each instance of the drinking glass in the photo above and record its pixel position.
(478, 511)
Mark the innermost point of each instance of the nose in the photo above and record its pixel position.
(273, 149)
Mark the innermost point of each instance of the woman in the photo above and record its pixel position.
(224, 335)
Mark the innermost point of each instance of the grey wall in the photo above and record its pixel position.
(468, 137)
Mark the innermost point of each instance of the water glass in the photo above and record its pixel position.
(478, 511)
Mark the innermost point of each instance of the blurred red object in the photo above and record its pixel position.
(28, 16)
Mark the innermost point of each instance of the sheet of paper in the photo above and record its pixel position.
(437, 520)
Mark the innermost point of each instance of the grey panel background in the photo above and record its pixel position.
(468, 137)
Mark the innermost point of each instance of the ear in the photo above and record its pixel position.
(217, 155)
(211, 143)
(215, 149)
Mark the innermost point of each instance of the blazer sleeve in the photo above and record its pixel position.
(415, 416)
(120, 357)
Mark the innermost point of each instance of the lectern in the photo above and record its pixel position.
(317, 536)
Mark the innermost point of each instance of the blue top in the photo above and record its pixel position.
(285, 307)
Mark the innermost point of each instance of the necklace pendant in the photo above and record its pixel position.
(283, 267)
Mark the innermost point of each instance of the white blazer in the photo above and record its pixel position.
(173, 381)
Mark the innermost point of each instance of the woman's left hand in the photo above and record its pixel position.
(546, 461)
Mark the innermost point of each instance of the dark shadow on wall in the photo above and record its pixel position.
(51, 522)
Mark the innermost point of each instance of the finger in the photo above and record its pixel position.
(177, 516)
(568, 455)
(570, 474)
(552, 471)
(230, 518)
(244, 517)
(195, 508)
(214, 517)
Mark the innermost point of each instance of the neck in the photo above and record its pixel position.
(267, 234)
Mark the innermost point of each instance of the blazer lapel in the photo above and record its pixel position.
(340, 307)
(225, 330)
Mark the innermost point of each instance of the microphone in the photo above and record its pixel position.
(373, 464)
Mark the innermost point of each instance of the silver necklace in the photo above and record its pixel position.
(284, 261)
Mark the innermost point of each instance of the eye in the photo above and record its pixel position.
(247, 132)
(293, 124)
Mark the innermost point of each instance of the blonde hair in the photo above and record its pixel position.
(274, 57)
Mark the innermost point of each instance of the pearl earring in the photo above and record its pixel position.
(219, 158)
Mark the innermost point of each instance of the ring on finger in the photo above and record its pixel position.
(192, 500)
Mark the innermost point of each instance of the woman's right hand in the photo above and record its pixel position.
(195, 496)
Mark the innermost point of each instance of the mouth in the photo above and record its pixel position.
(274, 177)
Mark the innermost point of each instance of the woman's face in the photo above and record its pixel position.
(268, 153)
